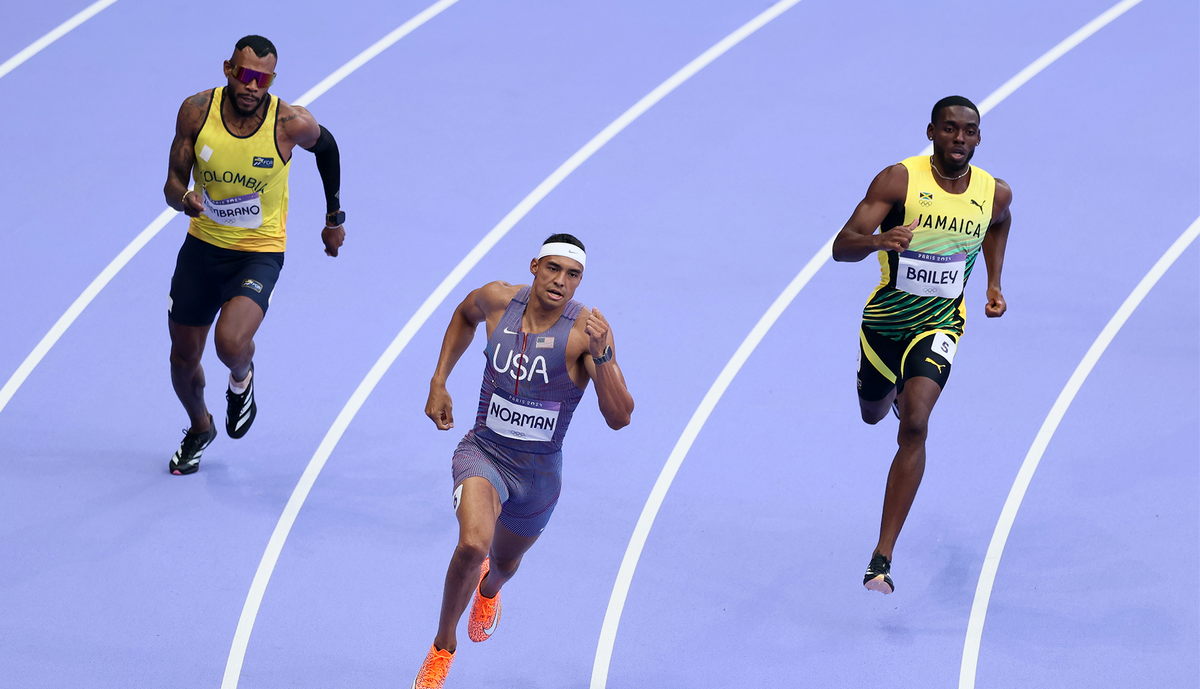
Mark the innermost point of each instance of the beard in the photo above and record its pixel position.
(241, 112)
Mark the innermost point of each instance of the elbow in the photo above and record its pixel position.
(618, 423)
(619, 419)
(839, 254)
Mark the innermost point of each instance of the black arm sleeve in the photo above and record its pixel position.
(330, 167)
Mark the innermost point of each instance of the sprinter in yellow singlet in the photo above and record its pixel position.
(934, 214)
(235, 143)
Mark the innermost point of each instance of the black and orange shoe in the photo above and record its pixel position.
(485, 612)
(432, 674)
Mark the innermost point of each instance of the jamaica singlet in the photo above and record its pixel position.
(922, 288)
(243, 181)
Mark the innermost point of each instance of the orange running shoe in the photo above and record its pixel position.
(485, 612)
(434, 670)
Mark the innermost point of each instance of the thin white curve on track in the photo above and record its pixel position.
(275, 545)
(1025, 474)
(1008, 514)
(58, 32)
(658, 493)
(110, 271)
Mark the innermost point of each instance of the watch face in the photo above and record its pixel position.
(336, 218)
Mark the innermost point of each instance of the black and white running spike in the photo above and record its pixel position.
(186, 459)
(878, 576)
(240, 410)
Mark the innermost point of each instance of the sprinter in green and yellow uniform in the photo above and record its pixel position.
(235, 143)
(934, 214)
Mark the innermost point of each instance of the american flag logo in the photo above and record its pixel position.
(544, 342)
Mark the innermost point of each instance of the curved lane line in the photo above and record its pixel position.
(658, 493)
(59, 31)
(275, 545)
(110, 271)
(991, 561)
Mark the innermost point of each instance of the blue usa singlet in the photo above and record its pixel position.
(527, 397)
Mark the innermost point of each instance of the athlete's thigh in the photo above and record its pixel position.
(251, 276)
(239, 320)
(508, 546)
(920, 396)
(187, 341)
(878, 367)
(930, 355)
(477, 507)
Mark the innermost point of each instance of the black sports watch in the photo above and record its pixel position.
(335, 218)
(604, 356)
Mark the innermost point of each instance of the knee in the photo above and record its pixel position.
(182, 361)
(230, 347)
(506, 566)
(471, 551)
(913, 431)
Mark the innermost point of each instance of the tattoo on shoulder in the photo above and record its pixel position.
(199, 100)
(289, 118)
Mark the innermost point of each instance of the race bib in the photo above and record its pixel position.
(931, 275)
(239, 211)
(522, 419)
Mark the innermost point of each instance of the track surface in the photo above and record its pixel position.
(116, 574)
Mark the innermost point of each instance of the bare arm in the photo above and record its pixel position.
(475, 309)
(857, 239)
(994, 243)
(183, 155)
(616, 404)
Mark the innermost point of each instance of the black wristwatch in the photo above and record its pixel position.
(605, 356)
(335, 218)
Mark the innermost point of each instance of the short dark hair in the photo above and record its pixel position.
(564, 238)
(261, 46)
(949, 101)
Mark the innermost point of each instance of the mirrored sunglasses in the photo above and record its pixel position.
(246, 76)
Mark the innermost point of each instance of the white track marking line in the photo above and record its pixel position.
(265, 568)
(991, 561)
(641, 531)
(61, 30)
(110, 271)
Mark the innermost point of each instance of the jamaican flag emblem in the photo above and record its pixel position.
(925, 197)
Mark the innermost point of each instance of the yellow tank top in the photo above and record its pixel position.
(243, 181)
(921, 289)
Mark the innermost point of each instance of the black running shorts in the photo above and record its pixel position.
(207, 276)
(884, 363)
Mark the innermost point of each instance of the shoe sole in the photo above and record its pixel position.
(878, 584)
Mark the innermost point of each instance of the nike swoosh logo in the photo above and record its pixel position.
(510, 332)
(495, 623)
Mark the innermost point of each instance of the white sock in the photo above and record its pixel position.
(239, 388)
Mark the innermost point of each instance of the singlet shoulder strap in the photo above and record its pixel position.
(572, 311)
(515, 310)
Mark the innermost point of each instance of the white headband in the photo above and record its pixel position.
(564, 249)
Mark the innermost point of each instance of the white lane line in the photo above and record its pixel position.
(641, 531)
(991, 561)
(61, 30)
(275, 545)
(110, 271)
